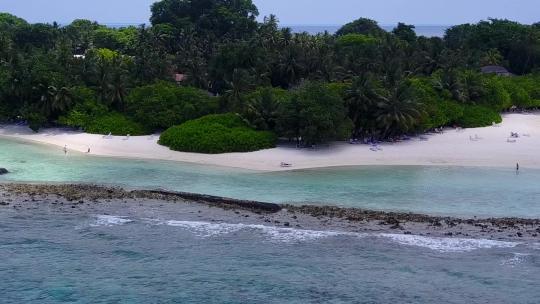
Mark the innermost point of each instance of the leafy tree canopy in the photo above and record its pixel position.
(216, 17)
(362, 26)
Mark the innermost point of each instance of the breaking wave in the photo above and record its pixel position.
(110, 220)
(291, 235)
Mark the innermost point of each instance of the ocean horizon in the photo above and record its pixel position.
(427, 30)
(421, 30)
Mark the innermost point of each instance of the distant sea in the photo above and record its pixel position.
(421, 30)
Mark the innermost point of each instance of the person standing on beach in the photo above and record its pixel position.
(65, 150)
(517, 166)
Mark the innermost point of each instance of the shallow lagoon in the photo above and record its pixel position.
(457, 191)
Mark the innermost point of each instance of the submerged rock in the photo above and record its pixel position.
(3, 171)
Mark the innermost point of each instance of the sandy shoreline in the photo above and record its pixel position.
(102, 200)
(453, 148)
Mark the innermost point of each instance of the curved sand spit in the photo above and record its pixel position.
(453, 148)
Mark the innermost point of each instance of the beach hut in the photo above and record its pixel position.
(495, 69)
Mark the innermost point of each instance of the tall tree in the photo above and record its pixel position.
(315, 114)
(399, 112)
(219, 18)
(362, 99)
(362, 26)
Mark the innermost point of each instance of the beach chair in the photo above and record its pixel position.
(375, 148)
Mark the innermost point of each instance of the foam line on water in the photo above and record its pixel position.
(447, 244)
(516, 259)
(284, 234)
(205, 229)
(111, 220)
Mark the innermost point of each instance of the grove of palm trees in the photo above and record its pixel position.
(209, 57)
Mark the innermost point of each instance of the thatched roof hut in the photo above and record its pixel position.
(495, 69)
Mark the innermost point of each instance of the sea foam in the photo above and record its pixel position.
(516, 259)
(447, 244)
(110, 220)
(291, 235)
(205, 229)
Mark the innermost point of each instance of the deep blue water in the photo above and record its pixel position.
(51, 256)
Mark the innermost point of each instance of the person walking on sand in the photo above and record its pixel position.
(65, 150)
(88, 152)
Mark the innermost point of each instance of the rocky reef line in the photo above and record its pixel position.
(327, 216)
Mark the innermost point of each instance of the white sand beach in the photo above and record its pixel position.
(452, 148)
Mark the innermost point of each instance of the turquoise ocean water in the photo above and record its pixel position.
(153, 254)
(457, 191)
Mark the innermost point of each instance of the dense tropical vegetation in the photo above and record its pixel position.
(211, 57)
(218, 133)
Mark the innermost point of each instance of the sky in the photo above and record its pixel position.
(292, 12)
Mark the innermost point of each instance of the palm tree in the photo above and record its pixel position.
(362, 99)
(289, 66)
(473, 87)
(263, 110)
(398, 112)
(491, 57)
(269, 32)
(46, 95)
(233, 96)
(448, 80)
(53, 100)
(63, 99)
(117, 83)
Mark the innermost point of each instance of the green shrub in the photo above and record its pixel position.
(432, 116)
(36, 121)
(83, 114)
(496, 96)
(215, 134)
(452, 110)
(478, 116)
(523, 90)
(116, 124)
(163, 105)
